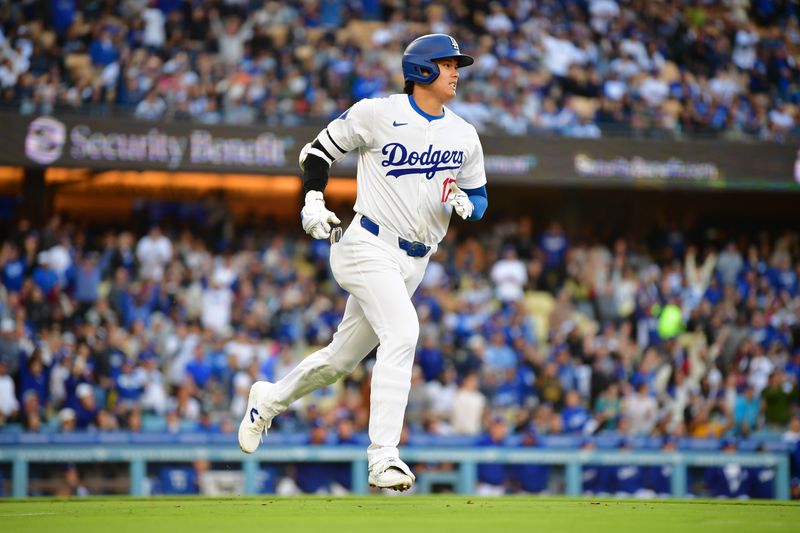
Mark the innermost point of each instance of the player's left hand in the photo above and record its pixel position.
(460, 201)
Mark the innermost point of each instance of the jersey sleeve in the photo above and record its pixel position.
(473, 173)
(348, 132)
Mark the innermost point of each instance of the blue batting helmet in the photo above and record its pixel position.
(418, 59)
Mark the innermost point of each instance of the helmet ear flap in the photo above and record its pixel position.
(430, 73)
(423, 72)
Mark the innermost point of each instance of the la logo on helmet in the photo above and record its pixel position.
(454, 43)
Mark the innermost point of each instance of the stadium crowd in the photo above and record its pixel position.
(579, 68)
(525, 331)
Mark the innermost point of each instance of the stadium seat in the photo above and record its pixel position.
(748, 445)
(540, 304)
(699, 444)
(608, 442)
(779, 446)
(561, 441)
(154, 423)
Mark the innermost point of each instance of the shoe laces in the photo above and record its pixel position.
(385, 464)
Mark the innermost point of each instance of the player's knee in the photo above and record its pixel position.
(344, 361)
(326, 374)
(405, 338)
(340, 368)
(337, 370)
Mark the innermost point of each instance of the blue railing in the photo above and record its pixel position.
(140, 449)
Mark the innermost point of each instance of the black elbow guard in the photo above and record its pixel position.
(315, 173)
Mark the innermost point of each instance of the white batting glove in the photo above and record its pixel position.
(316, 218)
(460, 201)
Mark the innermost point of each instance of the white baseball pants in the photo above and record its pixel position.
(380, 279)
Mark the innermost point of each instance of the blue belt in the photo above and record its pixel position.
(412, 248)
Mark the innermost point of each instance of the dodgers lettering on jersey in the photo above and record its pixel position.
(406, 163)
(427, 163)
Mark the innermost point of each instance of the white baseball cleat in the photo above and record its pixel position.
(391, 473)
(254, 423)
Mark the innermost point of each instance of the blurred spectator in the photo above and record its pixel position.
(66, 420)
(777, 398)
(231, 36)
(72, 483)
(152, 107)
(531, 478)
(492, 477)
(509, 276)
(130, 384)
(441, 393)
(584, 69)
(575, 416)
(342, 472)
(9, 406)
(34, 378)
(86, 411)
(548, 387)
(658, 478)
(153, 251)
(87, 281)
(626, 480)
(14, 267)
(10, 348)
(217, 303)
(199, 368)
(417, 402)
(468, 407)
(553, 244)
(745, 415)
(314, 477)
(639, 410)
(430, 358)
(731, 480)
(608, 408)
(44, 276)
(128, 342)
(499, 355)
(154, 35)
(730, 264)
(596, 479)
(102, 50)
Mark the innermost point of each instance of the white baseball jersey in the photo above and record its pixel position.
(406, 162)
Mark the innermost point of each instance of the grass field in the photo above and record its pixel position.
(383, 514)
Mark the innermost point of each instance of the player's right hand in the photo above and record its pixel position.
(316, 218)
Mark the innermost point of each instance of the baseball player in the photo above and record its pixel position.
(417, 163)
